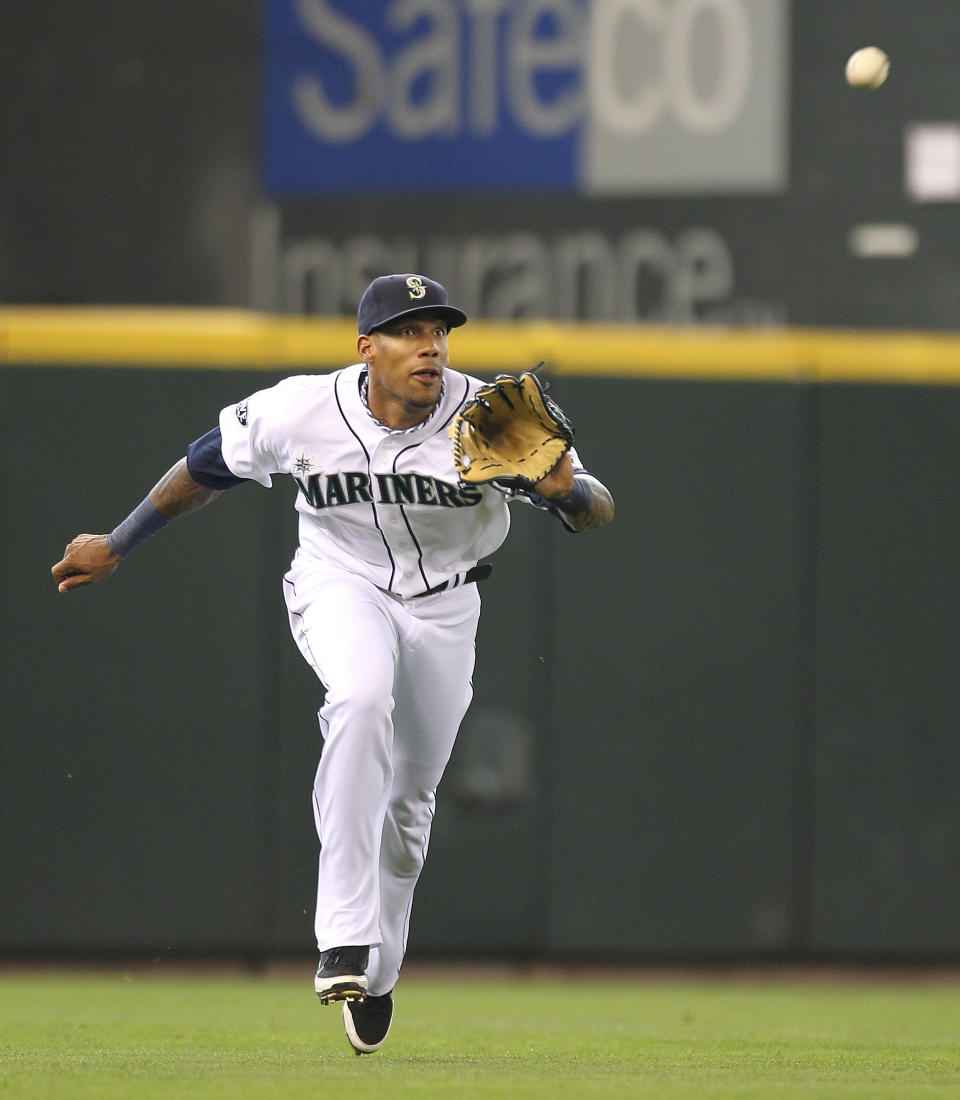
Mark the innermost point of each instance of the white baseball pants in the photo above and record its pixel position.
(398, 679)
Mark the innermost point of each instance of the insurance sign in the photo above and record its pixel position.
(596, 96)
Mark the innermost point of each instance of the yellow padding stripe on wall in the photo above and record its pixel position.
(223, 338)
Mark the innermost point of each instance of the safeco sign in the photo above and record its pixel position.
(604, 96)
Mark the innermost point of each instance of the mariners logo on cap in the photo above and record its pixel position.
(390, 297)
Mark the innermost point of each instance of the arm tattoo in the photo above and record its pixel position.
(598, 513)
(176, 493)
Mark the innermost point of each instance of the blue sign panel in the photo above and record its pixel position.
(380, 95)
(604, 96)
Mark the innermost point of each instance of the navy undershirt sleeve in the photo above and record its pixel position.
(206, 465)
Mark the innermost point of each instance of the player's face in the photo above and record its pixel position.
(406, 361)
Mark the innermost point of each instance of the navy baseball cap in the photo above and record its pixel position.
(393, 296)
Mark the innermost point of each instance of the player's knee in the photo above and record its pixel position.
(365, 702)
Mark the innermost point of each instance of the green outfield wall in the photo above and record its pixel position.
(723, 726)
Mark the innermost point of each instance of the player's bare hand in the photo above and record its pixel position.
(86, 560)
(558, 482)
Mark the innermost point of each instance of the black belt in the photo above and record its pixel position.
(477, 573)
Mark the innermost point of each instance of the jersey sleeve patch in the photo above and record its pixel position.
(206, 465)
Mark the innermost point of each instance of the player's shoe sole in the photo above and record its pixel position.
(352, 988)
(367, 1022)
(342, 974)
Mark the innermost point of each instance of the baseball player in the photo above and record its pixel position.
(382, 601)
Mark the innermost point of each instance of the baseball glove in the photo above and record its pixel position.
(510, 433)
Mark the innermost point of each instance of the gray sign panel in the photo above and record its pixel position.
(687, 95)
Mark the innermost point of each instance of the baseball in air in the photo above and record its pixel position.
(868, 68)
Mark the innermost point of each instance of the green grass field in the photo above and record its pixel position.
(142, 1035)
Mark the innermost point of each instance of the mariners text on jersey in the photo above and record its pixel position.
(329, 490)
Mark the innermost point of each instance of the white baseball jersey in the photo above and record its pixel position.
(386, 505)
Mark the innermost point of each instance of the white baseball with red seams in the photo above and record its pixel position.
(867, 67)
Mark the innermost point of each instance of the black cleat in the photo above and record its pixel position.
(367, 1022)
(342, 975)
